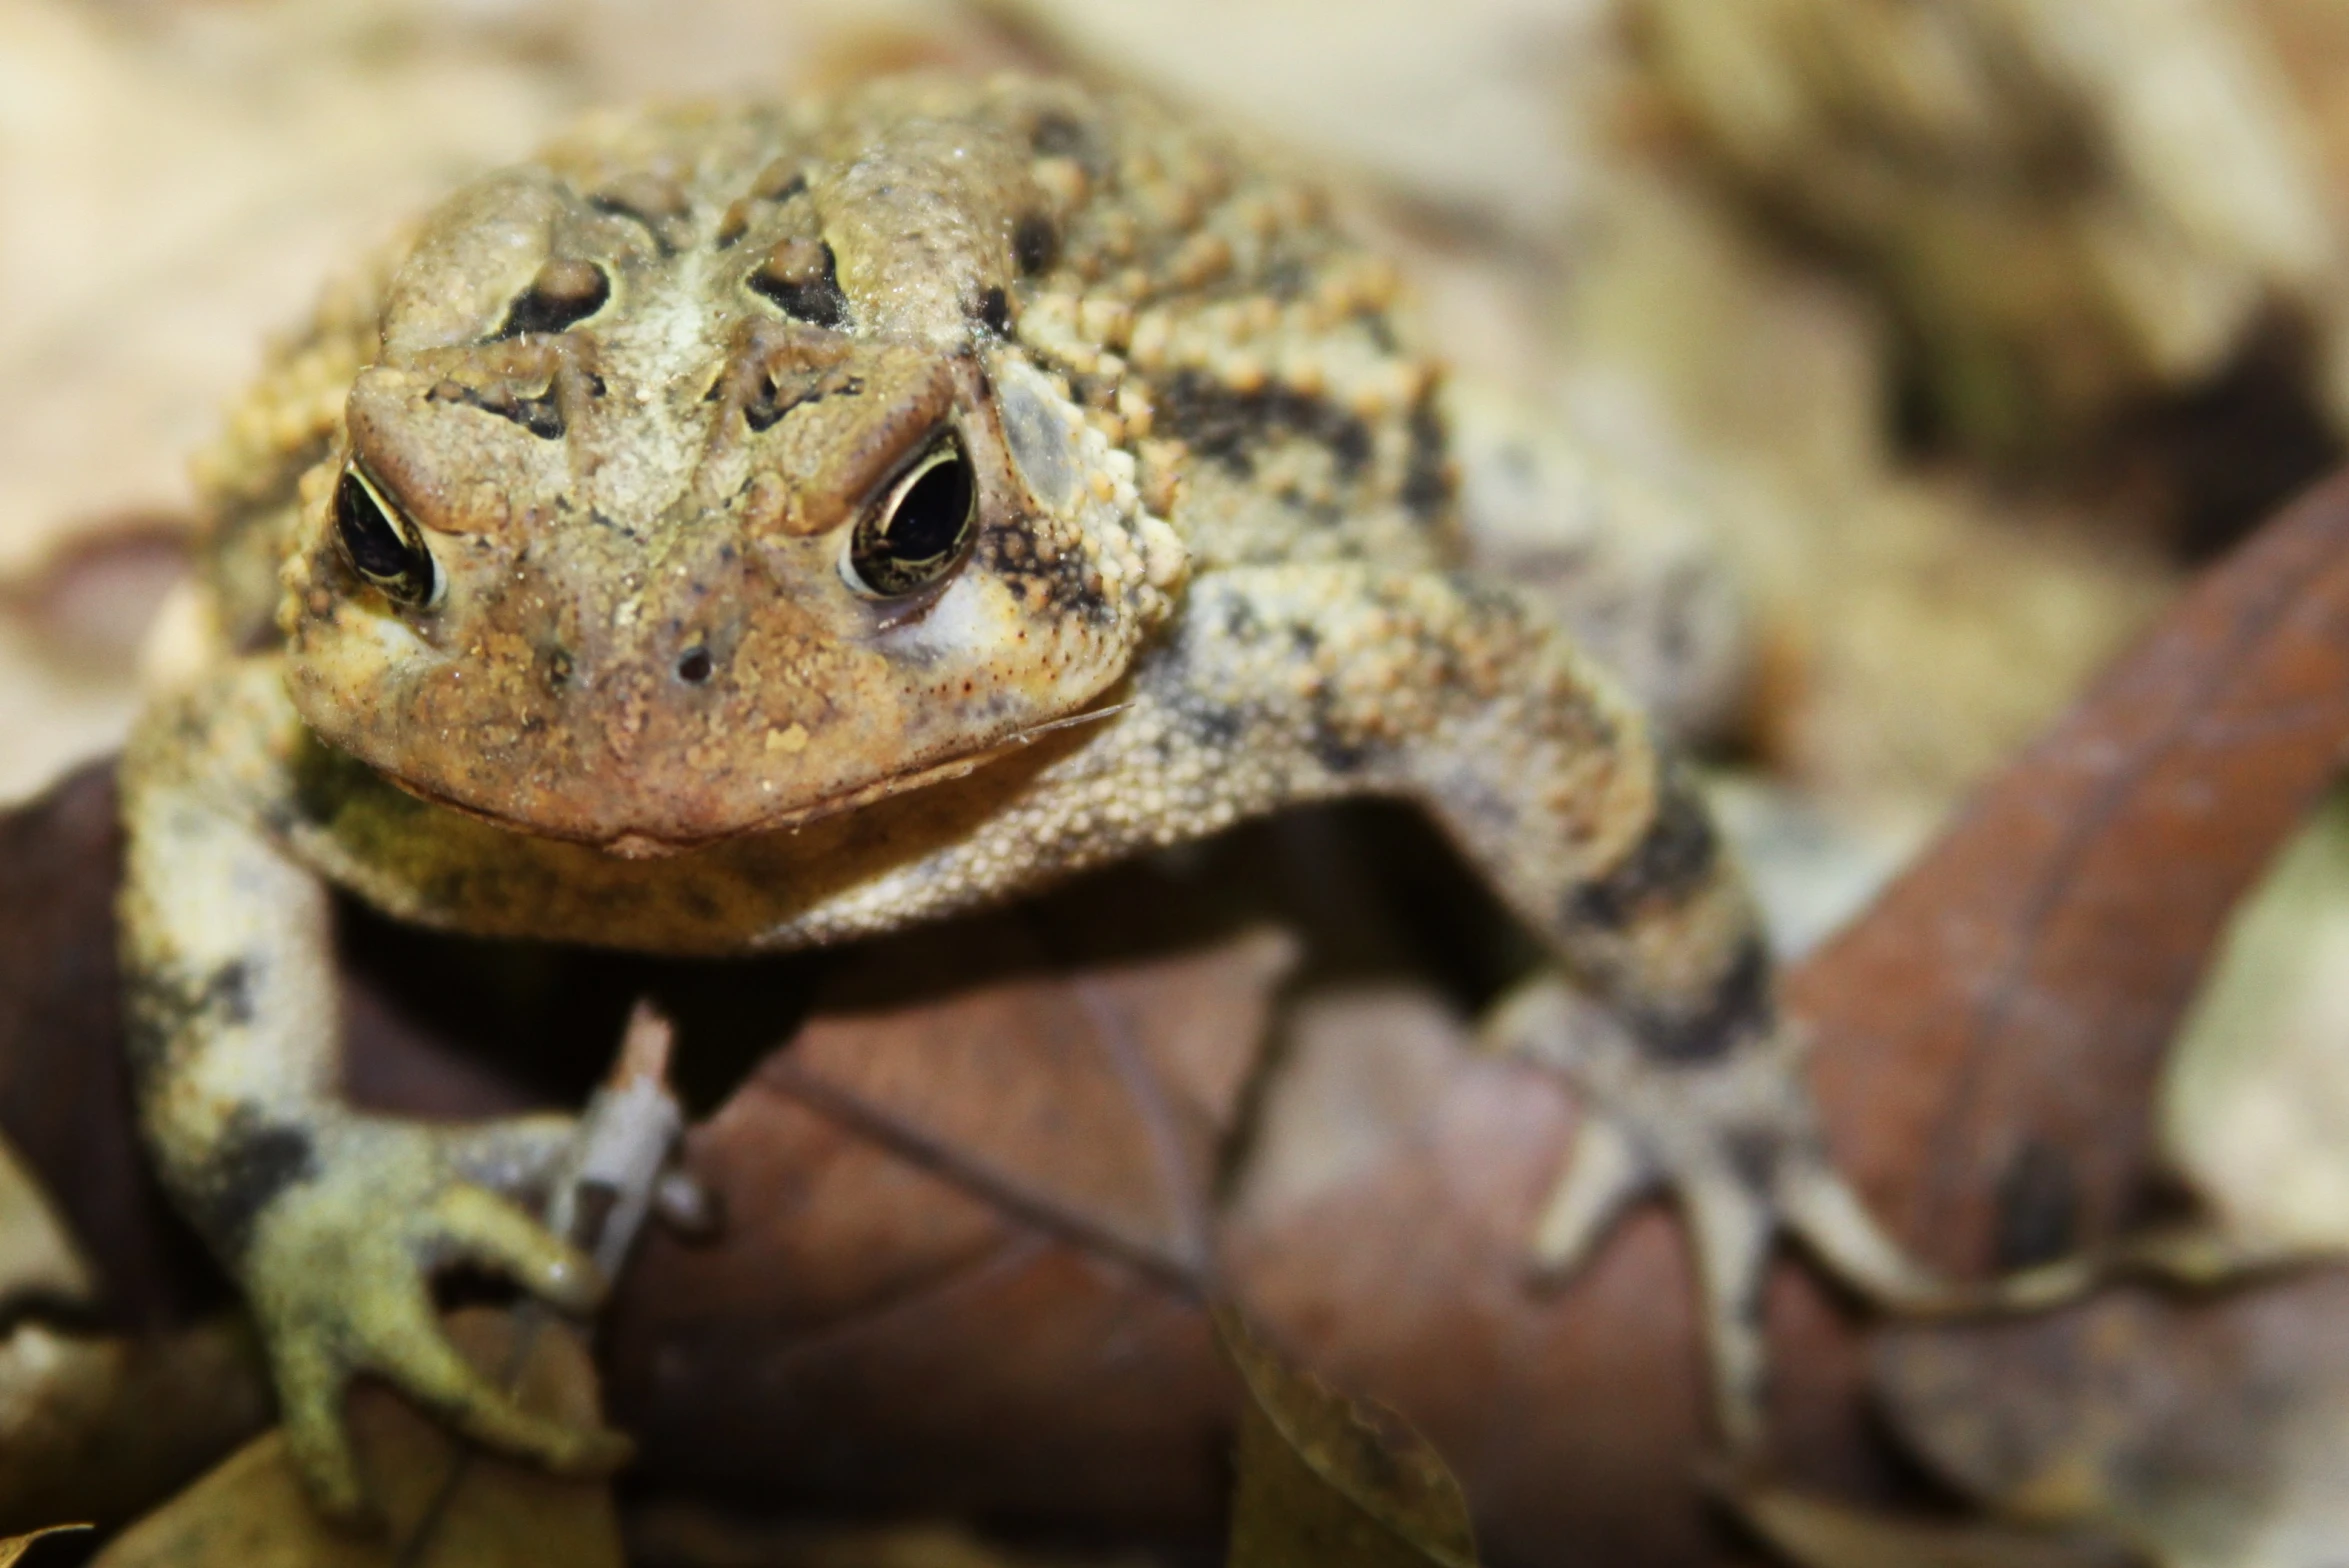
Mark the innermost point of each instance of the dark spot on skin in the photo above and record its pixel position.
(1738, 1009)
(542, 416)
(993, 311)
(1338, 754)
(1035, 243)
(695, 667)
(654, 201)
(2038, 1211)
(227, 993)
(1753, 1157)
(1004, 552)
(779, 181)
(1676, 611)
(1058, 135)
(1215, 725)
(253, 1161)
(773, 399)
(802, 279)
(565, 293)
(1320, 511)
(1347, 437)
(1494, 606)
(1285, 279)
(1230, 428)
(164, 1007)
(1428, 484)
(1675, 858)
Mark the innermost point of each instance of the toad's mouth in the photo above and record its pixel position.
(636, 844)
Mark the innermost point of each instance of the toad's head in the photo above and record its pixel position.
(696, 497)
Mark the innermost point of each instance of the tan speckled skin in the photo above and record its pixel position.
(1214, 511)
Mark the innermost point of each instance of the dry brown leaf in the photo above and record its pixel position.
(38, 1260)
(15, 1546)
(1813, 1533)
(1323, 1479)
(100, 1426)
(985, 1210)
(2211, 1431)
(251, 1512)
(1989, 1033)
(685, 1535)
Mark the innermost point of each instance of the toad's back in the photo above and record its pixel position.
(1191, 297)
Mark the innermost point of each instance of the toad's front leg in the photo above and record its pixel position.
(331, 1221)
(1335, 680)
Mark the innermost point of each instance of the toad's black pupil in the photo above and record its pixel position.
(930, 515)
(916, 536)
(374, 542)
(380, 548)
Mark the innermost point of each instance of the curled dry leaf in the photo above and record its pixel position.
(1990, 1032)
(1324, 1479)
(14, 1547)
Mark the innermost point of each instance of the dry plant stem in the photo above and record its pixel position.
(603, 1193)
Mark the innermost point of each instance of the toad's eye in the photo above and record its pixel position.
(918, 531)
(383, 546)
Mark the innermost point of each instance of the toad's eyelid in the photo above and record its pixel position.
(944, 451)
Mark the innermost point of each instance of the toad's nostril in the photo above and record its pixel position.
(695, 666)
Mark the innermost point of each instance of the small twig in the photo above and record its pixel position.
(598, 1202)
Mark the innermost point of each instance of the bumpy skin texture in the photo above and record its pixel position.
(637, 399)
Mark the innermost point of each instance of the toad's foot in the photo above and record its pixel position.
(338, 1273)
(1736, 1140)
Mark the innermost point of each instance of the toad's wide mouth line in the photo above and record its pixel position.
(636, 844)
